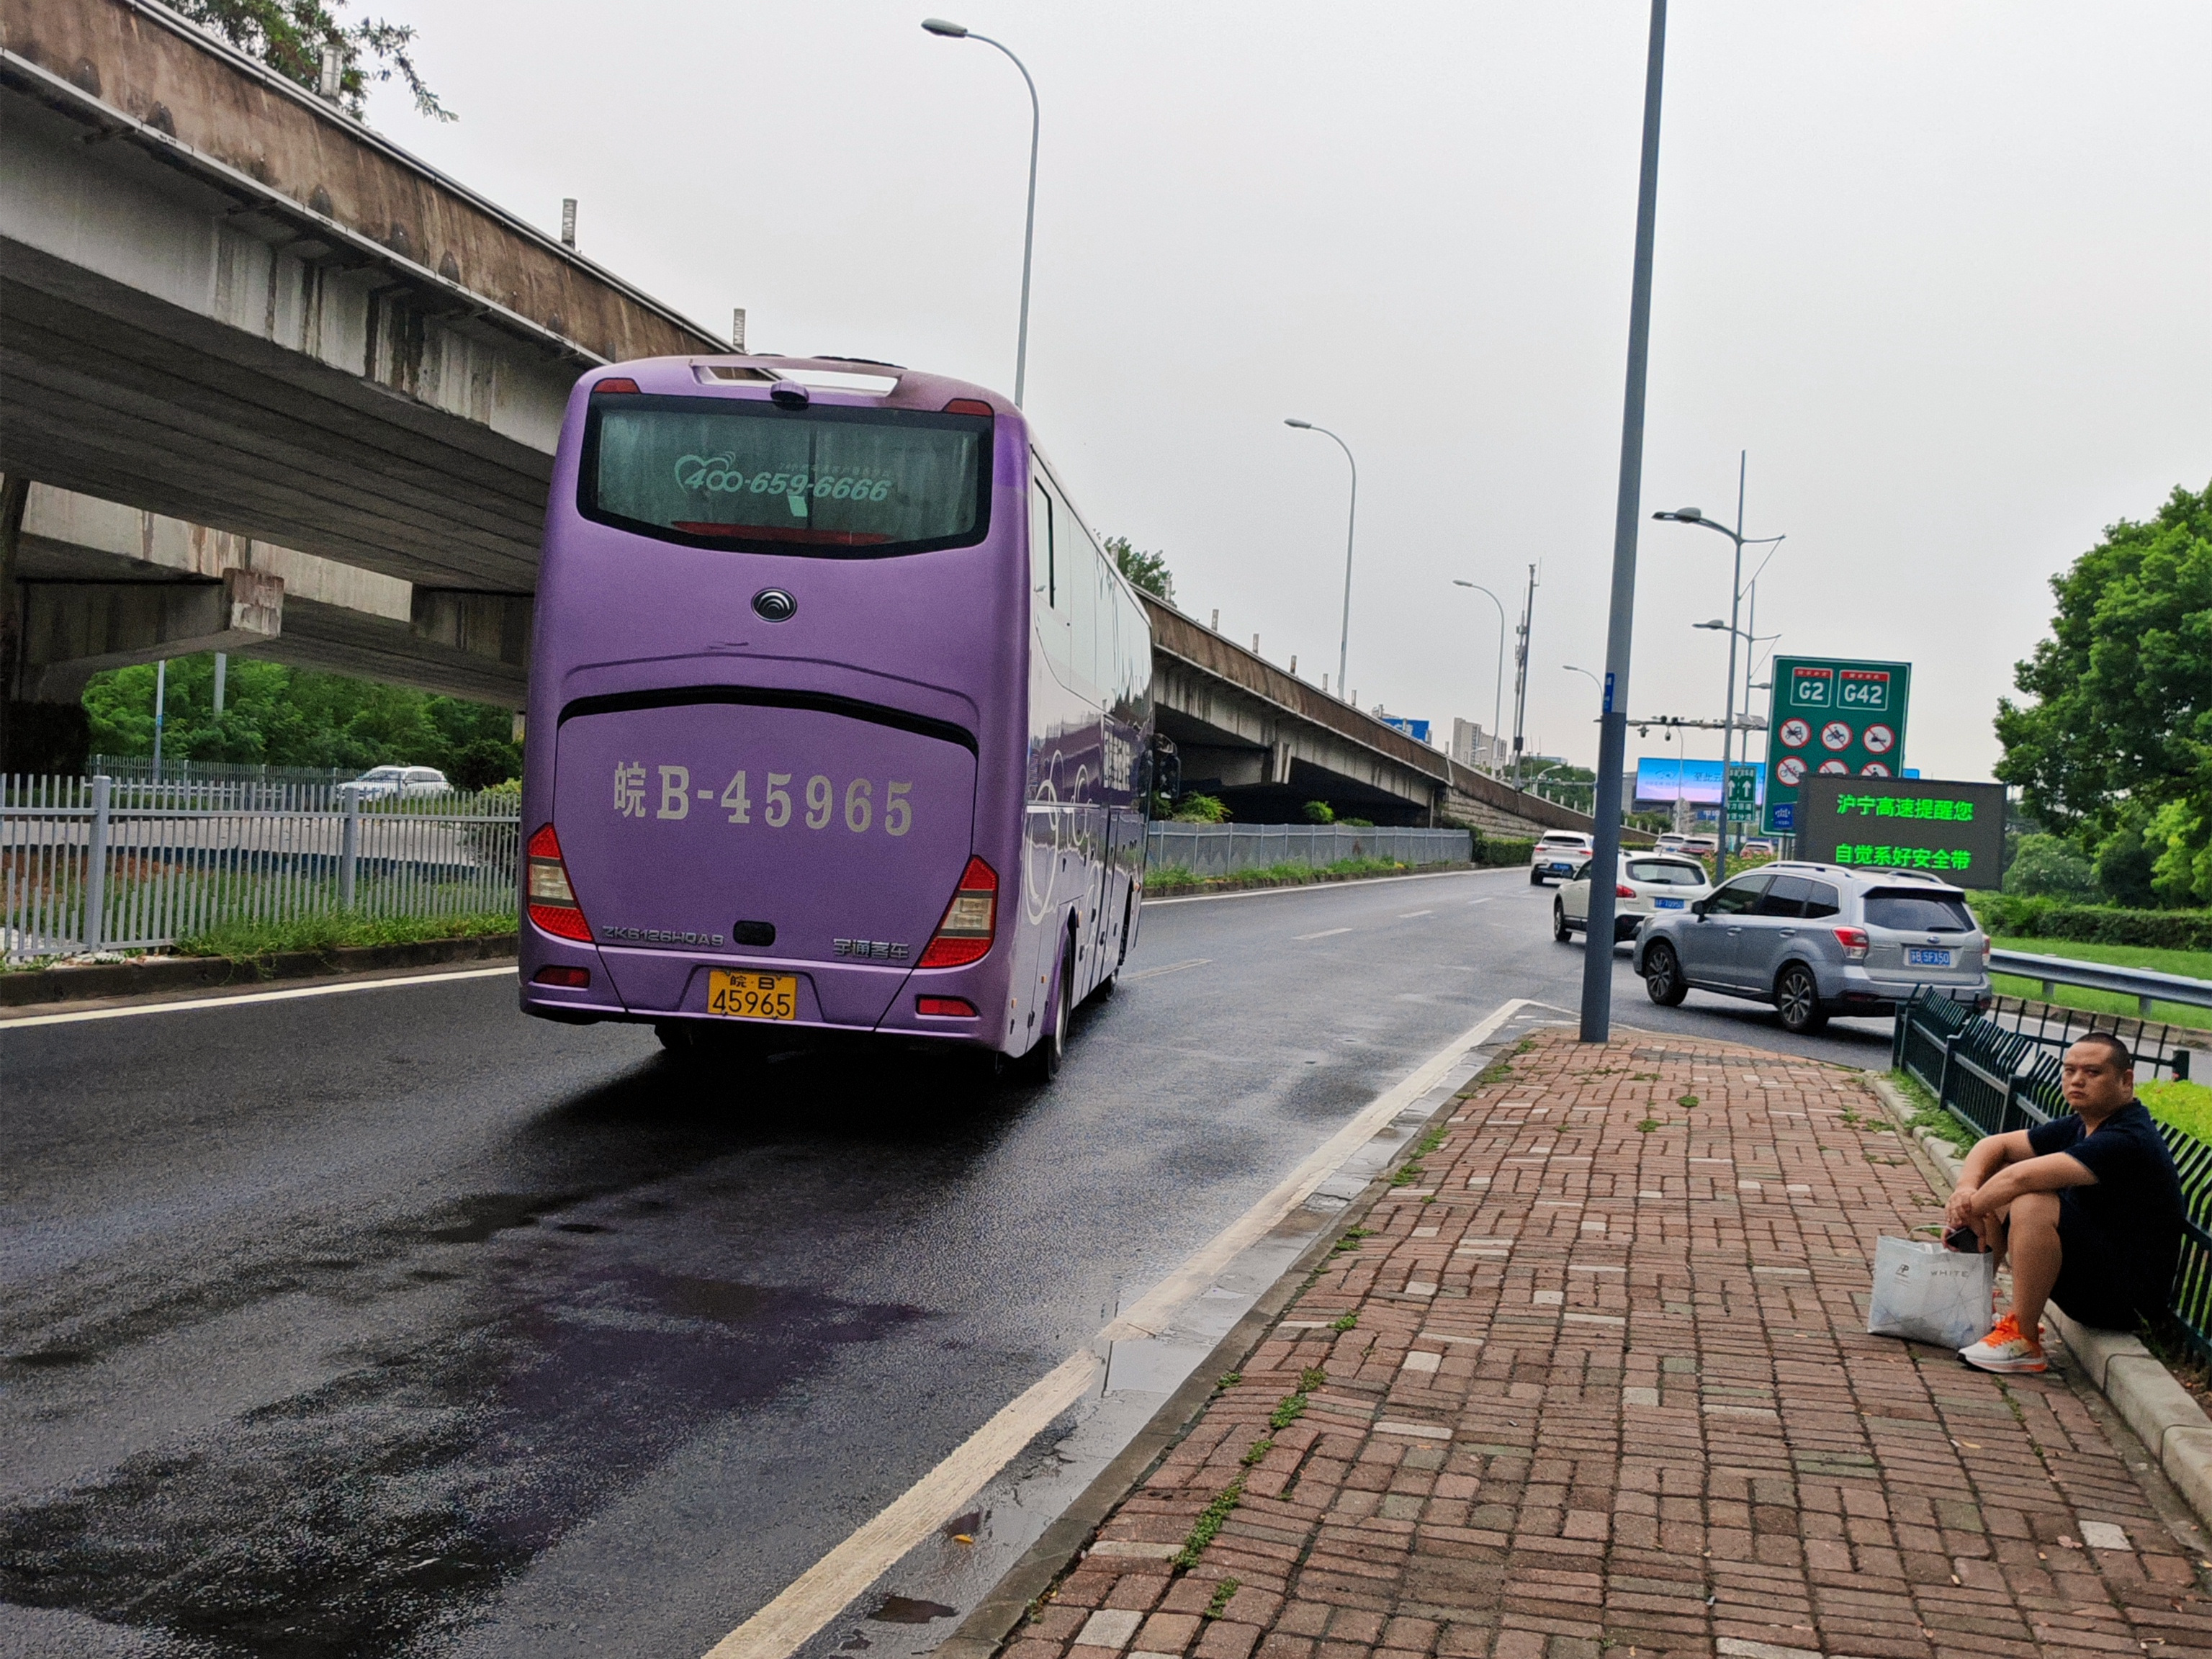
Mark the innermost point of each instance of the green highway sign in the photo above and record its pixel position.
(1831, 717)
(1742, 793)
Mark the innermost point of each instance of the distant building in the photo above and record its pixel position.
(1485, 751)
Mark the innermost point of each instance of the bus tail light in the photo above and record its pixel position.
(971, 920)
(618, 383)
(968, 407)
(1854, 941)
(945, 1008)
(553, 904)
(569, 978)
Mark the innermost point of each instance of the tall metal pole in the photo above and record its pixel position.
(1498, 686)
(1351, 526)
(1727, 716)
(938, 25)
(160, 708)
(1521, 673)
(1613, 728)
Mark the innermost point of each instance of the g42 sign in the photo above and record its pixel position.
(1832, 718)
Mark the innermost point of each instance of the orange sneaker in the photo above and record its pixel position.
(2004, 1349)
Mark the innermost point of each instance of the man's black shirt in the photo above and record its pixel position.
(2136, 1204)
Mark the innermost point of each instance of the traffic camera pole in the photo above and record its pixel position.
(1613, 724)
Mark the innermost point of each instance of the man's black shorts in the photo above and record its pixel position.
(2092, 1287)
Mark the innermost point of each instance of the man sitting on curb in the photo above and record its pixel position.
(2089, 1206)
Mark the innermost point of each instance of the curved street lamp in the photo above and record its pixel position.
(1498, 690)
(1350, 522)
(939, 27)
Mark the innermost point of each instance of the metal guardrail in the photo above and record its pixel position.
(1973, 1068)
(97, 864)
(1221, 849)
(2141, 983)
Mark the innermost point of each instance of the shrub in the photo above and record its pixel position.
(2093, 924)
(1319, 812)
(1202, 809)
(2049, 866)
(1499, 850)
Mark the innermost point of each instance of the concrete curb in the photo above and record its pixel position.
(156, 975)
(2164, 1415)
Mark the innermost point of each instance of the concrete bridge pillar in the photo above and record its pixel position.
(72, 629)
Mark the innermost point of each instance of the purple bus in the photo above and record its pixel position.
(839, 720)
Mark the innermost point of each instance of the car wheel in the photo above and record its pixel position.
(1797, 998)
(1662, 974)
(1560, 930)
(1536, 879)
(1041, 1064)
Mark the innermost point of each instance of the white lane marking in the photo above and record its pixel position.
(1485, 899)
(826, 1588)
(1415, 915)
(1171, 968)
(1333, 886)
(292, 994)
(1326, 932)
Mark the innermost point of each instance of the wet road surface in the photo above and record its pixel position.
(394, 1323)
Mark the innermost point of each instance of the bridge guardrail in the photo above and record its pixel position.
(2144, 984)
(1221, 849)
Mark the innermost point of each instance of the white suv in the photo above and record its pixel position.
(1559, 855)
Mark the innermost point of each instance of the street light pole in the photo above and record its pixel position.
(1521, 673)
(1497, 689)
(1620, 622)
(938, 26)
(1350, 524)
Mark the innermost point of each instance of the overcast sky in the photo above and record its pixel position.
(1944, 269)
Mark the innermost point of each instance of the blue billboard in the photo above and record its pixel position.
(1664, 781)
(1416, 730)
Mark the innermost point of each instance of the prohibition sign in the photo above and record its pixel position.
(1879, 740)
(1791, 771)
(1795, 733)
(1835, 735)
(1834, 769)
(1874, 769)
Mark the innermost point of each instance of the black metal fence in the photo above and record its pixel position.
(1995, 1079)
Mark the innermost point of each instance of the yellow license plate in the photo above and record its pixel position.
(752, 996)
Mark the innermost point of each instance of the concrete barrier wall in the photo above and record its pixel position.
(1221, 849)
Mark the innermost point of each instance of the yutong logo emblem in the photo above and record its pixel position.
(659, 936)
(873, 950)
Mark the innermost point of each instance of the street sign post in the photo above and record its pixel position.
(1831, 718)
(1954, 831)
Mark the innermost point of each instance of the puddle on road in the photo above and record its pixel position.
(907, 1610)
(367, 1514)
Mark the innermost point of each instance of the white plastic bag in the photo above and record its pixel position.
(1925, 1293)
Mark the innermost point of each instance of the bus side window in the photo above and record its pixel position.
(1041, 541)
(1049, 525)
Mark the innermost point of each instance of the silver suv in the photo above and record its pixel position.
(1816, 940)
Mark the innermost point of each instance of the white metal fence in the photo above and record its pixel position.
(89, 864)
(1220, 849)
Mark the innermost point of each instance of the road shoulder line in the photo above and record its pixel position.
(290, 993)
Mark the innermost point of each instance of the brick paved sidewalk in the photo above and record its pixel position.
(1599, 1378)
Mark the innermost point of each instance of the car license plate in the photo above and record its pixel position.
(1668, 904)
(1924, 959)
(752, 996)
(1560, 869)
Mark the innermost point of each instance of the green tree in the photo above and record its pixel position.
(289, 35)
(2120, 727)
(1148, 571)
(279, 715)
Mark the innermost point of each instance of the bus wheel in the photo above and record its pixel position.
(675, 1036)
(1041, 1063)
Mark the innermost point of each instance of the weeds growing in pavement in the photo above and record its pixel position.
(1647, 1126)
(1229, 1379)
(1312, 1377)
(1350, 1321)
(1645, 1076)
(1293, 1406)
(1686, 1100)
(1259, 1449)
(1350, 1239)
(1222, 1592)
(1209, 1525)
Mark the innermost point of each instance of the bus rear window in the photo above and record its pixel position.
(833, 482)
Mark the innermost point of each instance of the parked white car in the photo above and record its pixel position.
(1557, 854)
(1649, 884)
(400, 782)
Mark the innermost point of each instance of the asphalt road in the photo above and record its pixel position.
(391, 1323)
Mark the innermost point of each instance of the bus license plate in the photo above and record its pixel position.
(752, 996)
(1929, 958)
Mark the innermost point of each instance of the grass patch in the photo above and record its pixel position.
(2193, 965)
(332, 930)
(1686, 1100)
(1258, 1450)
(1647, 1125)
(1350, 1321)
(1350, 1239)
(1293, 1406)
(2185, 1106)
(1171, 878)
(1222, 1592)
(1209, 1525)
(1929, 1115)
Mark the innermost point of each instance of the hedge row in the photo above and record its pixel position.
(2095, 924)
(1499, 850)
